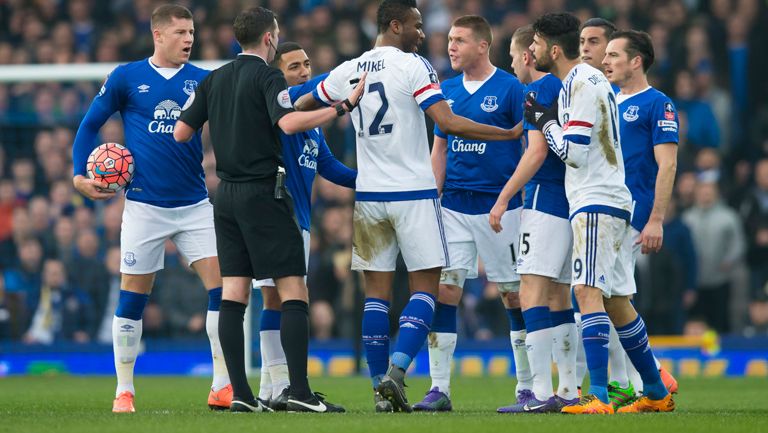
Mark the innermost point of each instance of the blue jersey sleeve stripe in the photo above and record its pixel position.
(431, 101)
(577, 139)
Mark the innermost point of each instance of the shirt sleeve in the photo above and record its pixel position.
(334, 87)
(108, 101)
(664, 124)
(195, 111)
(423, 82)
(277, 96)
(296, 92)
(571, 141)
(332, 169)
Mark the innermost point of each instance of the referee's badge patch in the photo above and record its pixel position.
(189, 102)
(284, 99)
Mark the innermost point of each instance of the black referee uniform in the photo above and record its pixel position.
(256, 233)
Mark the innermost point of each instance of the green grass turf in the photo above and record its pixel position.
(178, 404)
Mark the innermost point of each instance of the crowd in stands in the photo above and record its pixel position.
(59, 253)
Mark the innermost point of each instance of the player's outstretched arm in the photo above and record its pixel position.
(530, 163)
(571, 148)
(332, 169)
(652, 236)
(307, 102)
(300, 121)
(453, 124)
(439, 158)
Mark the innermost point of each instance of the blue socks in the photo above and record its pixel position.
(270, 320)
(415, 323)
(596, 328)
(214, 299)
(562, 317)
(376, 337)
(536, 319)
(131, 305)
(445, 318)
(634, 339)
(516, 321)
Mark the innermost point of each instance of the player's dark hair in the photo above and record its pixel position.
(638, 44)
(164, 14)
(523, 37)
(284, 48)
(480, 27)
(561, 29)
(390, 10)
(251, 24)
(608, 27)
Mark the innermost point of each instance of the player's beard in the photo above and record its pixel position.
(544, 63)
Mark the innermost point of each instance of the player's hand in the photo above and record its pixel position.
(91, 188)
(539, 115)
(651, 237)
(354, 98)
(496, 213)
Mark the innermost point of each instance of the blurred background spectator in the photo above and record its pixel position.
(712, 272)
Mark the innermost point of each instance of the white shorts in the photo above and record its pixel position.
(471, 236)
(602, 248)
(411, 227)
(258, 284)
(625, 282)
(546, 243)
(145, 229)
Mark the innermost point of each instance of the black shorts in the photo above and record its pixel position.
(257, 235)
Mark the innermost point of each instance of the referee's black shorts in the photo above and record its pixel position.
(256, 235)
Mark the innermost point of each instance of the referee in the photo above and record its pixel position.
(245, 102)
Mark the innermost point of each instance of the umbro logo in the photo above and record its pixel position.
(143, 88)
(126, 327)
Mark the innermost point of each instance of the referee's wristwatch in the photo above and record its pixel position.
(344, 107)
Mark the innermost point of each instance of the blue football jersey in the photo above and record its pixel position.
(477, 171)
(545, 191)
(646, 119)
(304, 155)
(168, 173)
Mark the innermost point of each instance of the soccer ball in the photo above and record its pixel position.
(112, 164)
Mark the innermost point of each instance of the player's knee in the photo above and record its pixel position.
(271, 298)
(590, 298)
(510, 299)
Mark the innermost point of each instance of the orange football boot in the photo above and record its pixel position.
(589, 404)
(221, 399)
(123, 403)
(645, 404)
(669, 381)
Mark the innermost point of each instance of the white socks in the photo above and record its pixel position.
(441, 348)
(126, 337)
(539, 345)
(220, 374)
(522, 368)
(581, 355)
(617, 360)
(563, 350)
(274, 367)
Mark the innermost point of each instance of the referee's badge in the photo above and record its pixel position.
(489, 104)
(284, 99)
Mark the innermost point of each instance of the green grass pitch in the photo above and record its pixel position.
(178, 404)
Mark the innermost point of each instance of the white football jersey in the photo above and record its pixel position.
(393, 158)
(588, 143)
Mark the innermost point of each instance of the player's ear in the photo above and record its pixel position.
(395, 26)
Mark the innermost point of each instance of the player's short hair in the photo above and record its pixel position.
(392, 10)
(251, 24)
(561, 29)
(164, 14)
(608, 27)
(523, 37)
(638, 44)
(285, 48)
(480, 27)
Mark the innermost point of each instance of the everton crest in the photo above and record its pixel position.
(190, 86)
(489, 104)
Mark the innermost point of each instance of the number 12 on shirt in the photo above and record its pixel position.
(376, 128)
